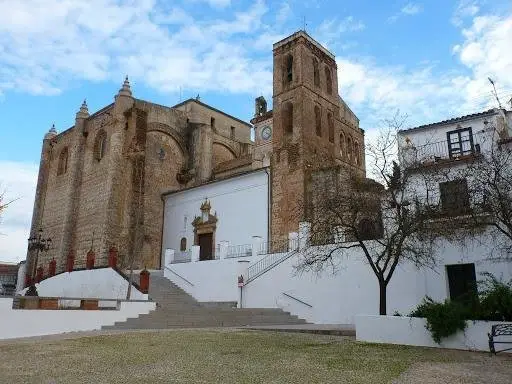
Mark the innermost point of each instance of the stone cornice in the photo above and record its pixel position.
(302, 37)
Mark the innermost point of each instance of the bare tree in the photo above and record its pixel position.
(349, 212)
(489, 180)
(4, 203)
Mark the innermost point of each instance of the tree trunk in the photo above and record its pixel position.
(382, 298)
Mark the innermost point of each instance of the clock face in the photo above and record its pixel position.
(266, 132)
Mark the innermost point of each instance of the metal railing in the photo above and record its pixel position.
(177, 274)
(267, 247)
(298, 300)
(439, 151)
(234, 251)
(286, 249)
(182, 257)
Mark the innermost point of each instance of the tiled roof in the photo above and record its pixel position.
(212, 108)
(453, 120)
(232, 164)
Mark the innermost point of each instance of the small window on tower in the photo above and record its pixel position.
(183, 244)
(318, 121)
(330, 122)
(212, 122)
(289, 69)
(287, 117)
(232, 133)
(62, 166)
(328, 80)
(316, 73)
(100, 145)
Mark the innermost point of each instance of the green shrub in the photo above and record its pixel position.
(495, 299)
(443, 319)
(494, 303)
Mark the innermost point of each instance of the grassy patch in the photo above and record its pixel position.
(198, 356)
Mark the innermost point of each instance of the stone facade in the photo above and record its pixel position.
(101, 181)
(312, 127)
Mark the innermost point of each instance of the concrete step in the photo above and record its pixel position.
(178, 309)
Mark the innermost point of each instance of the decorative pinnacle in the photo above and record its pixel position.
(84, 111)
(51, 133)
(125, 89)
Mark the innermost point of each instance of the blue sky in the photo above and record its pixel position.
(429, 59)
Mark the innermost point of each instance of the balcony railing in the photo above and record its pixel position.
(182, 257)
(234, 251)
(439, 152)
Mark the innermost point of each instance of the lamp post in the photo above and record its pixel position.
(38, 244)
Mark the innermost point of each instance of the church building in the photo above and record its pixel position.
(136, 178)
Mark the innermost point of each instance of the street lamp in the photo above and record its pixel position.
(38, 244)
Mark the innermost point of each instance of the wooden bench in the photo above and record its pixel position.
(499, 330)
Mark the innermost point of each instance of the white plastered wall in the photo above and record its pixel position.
(104, 283)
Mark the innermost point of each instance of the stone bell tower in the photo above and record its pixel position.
(308, 126)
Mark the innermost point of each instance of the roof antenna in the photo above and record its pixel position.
(304, 23)
(495, 94)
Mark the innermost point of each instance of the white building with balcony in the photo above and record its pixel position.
(441, 160)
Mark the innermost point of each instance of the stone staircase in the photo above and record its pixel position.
(177, 309)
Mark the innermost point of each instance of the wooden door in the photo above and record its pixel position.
(206, 246)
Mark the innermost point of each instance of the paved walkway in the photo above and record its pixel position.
(324, 329)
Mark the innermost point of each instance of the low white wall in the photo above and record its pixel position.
(332, 296)
(104, 283)
(26, 323)
(213, 280)
(336, 296)
(412, 331)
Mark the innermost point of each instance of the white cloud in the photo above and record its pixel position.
(45, 44)
(284, 13)
(427, 94)
(465, 9)
(412, 9)
(329, 31)
(409, 9)
(216, 3)
(18, 181)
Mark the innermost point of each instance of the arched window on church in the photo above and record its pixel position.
(349, 148)
(100, 145)
(287, 117)
(316, 72)
(318, 121)
(328, 80)
(330, 123)
(356, 152)
(62, 166)
(289, 69)
(183, 244)
(342, 145)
